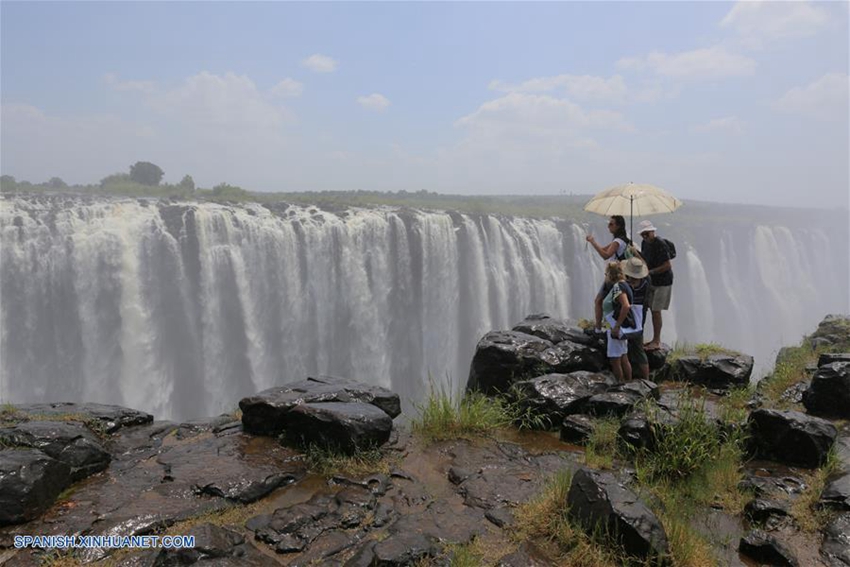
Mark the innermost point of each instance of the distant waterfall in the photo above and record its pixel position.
(181, 309)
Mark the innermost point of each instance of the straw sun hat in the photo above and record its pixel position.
(634, 268)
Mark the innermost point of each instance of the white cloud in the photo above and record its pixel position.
(225, 103)
(709, 63)
(758, 20)
(579, 87)
(824, 97)
(540, 115)
(374, 101)
(320, 63)
(145, 87)
(728, 124)
(288, 88)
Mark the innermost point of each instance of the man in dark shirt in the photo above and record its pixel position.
(657, 256)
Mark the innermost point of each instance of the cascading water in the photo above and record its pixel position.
(182, 309)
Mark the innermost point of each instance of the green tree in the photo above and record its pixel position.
(226, 191)
(56, 183)
(8, 184)
(114, 179)
(187, 183)
(146, 173)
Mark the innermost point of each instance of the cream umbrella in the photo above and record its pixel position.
(632, 199)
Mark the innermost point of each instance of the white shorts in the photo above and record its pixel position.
(616, 347)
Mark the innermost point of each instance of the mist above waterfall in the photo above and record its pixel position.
(181, 309)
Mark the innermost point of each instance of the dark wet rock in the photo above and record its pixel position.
(658, 357)
(620, 400)
(505, 357)
(722, 371)
(834, 330)
(836, 493)
(598, 499)
(377, 483)
(829, 393)
(830, 357)
(639, 431)
(109, 418)
(29, 483)
(346, 427)
(500, 517)
(404, 549)
(236, 476)
(835, 548)
(265, 413)
(791, 437)
(770, 514)
(528, 555)
(363, 557)
(547, 328)
(439, 521)
(576, 429)
(764, 482)
(457, 475)
(213, 544)
(553, 396)
(72, 443)
(505, 475)
(767, 549)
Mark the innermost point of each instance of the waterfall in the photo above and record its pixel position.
(181, 309)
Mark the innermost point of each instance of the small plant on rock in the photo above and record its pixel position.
(443, 416)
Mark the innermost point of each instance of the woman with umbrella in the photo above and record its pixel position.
(616, 250)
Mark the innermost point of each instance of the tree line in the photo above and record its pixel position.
(143, 179)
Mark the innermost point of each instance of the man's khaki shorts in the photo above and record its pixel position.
(659, 298)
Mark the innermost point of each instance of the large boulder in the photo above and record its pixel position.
(598, 500)
(554, 396)
(718, 371)
(265, 413)
(505, 357)
(29, 483)
(72, 443)
(791, 437)
(338, 426)
(829, 392)
(834, 330)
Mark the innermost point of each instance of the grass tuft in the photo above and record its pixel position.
(328, 462)
(601, 447)
(443, 417)
(805, 508)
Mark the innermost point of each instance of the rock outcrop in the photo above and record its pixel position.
(829, 392)
(791, 437)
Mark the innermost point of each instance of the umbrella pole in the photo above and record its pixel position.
(632, 217)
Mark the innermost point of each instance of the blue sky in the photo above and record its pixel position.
(729, 102)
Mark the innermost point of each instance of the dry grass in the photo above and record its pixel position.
(327, 462)
(805, 510)
(789, 371)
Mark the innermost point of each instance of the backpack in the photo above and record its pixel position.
(671, 248)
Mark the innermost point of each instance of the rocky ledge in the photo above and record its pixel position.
(251, 489)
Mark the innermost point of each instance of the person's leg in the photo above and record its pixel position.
(617, 368)
(656, 330)
(597, 310)
(627, 367)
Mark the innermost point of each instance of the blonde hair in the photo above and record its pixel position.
(614, 272)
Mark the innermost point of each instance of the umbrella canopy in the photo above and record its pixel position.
(631, 199)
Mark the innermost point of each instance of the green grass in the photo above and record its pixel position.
(602, 445)
(442, 416)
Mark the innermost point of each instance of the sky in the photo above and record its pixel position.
(731, 102)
